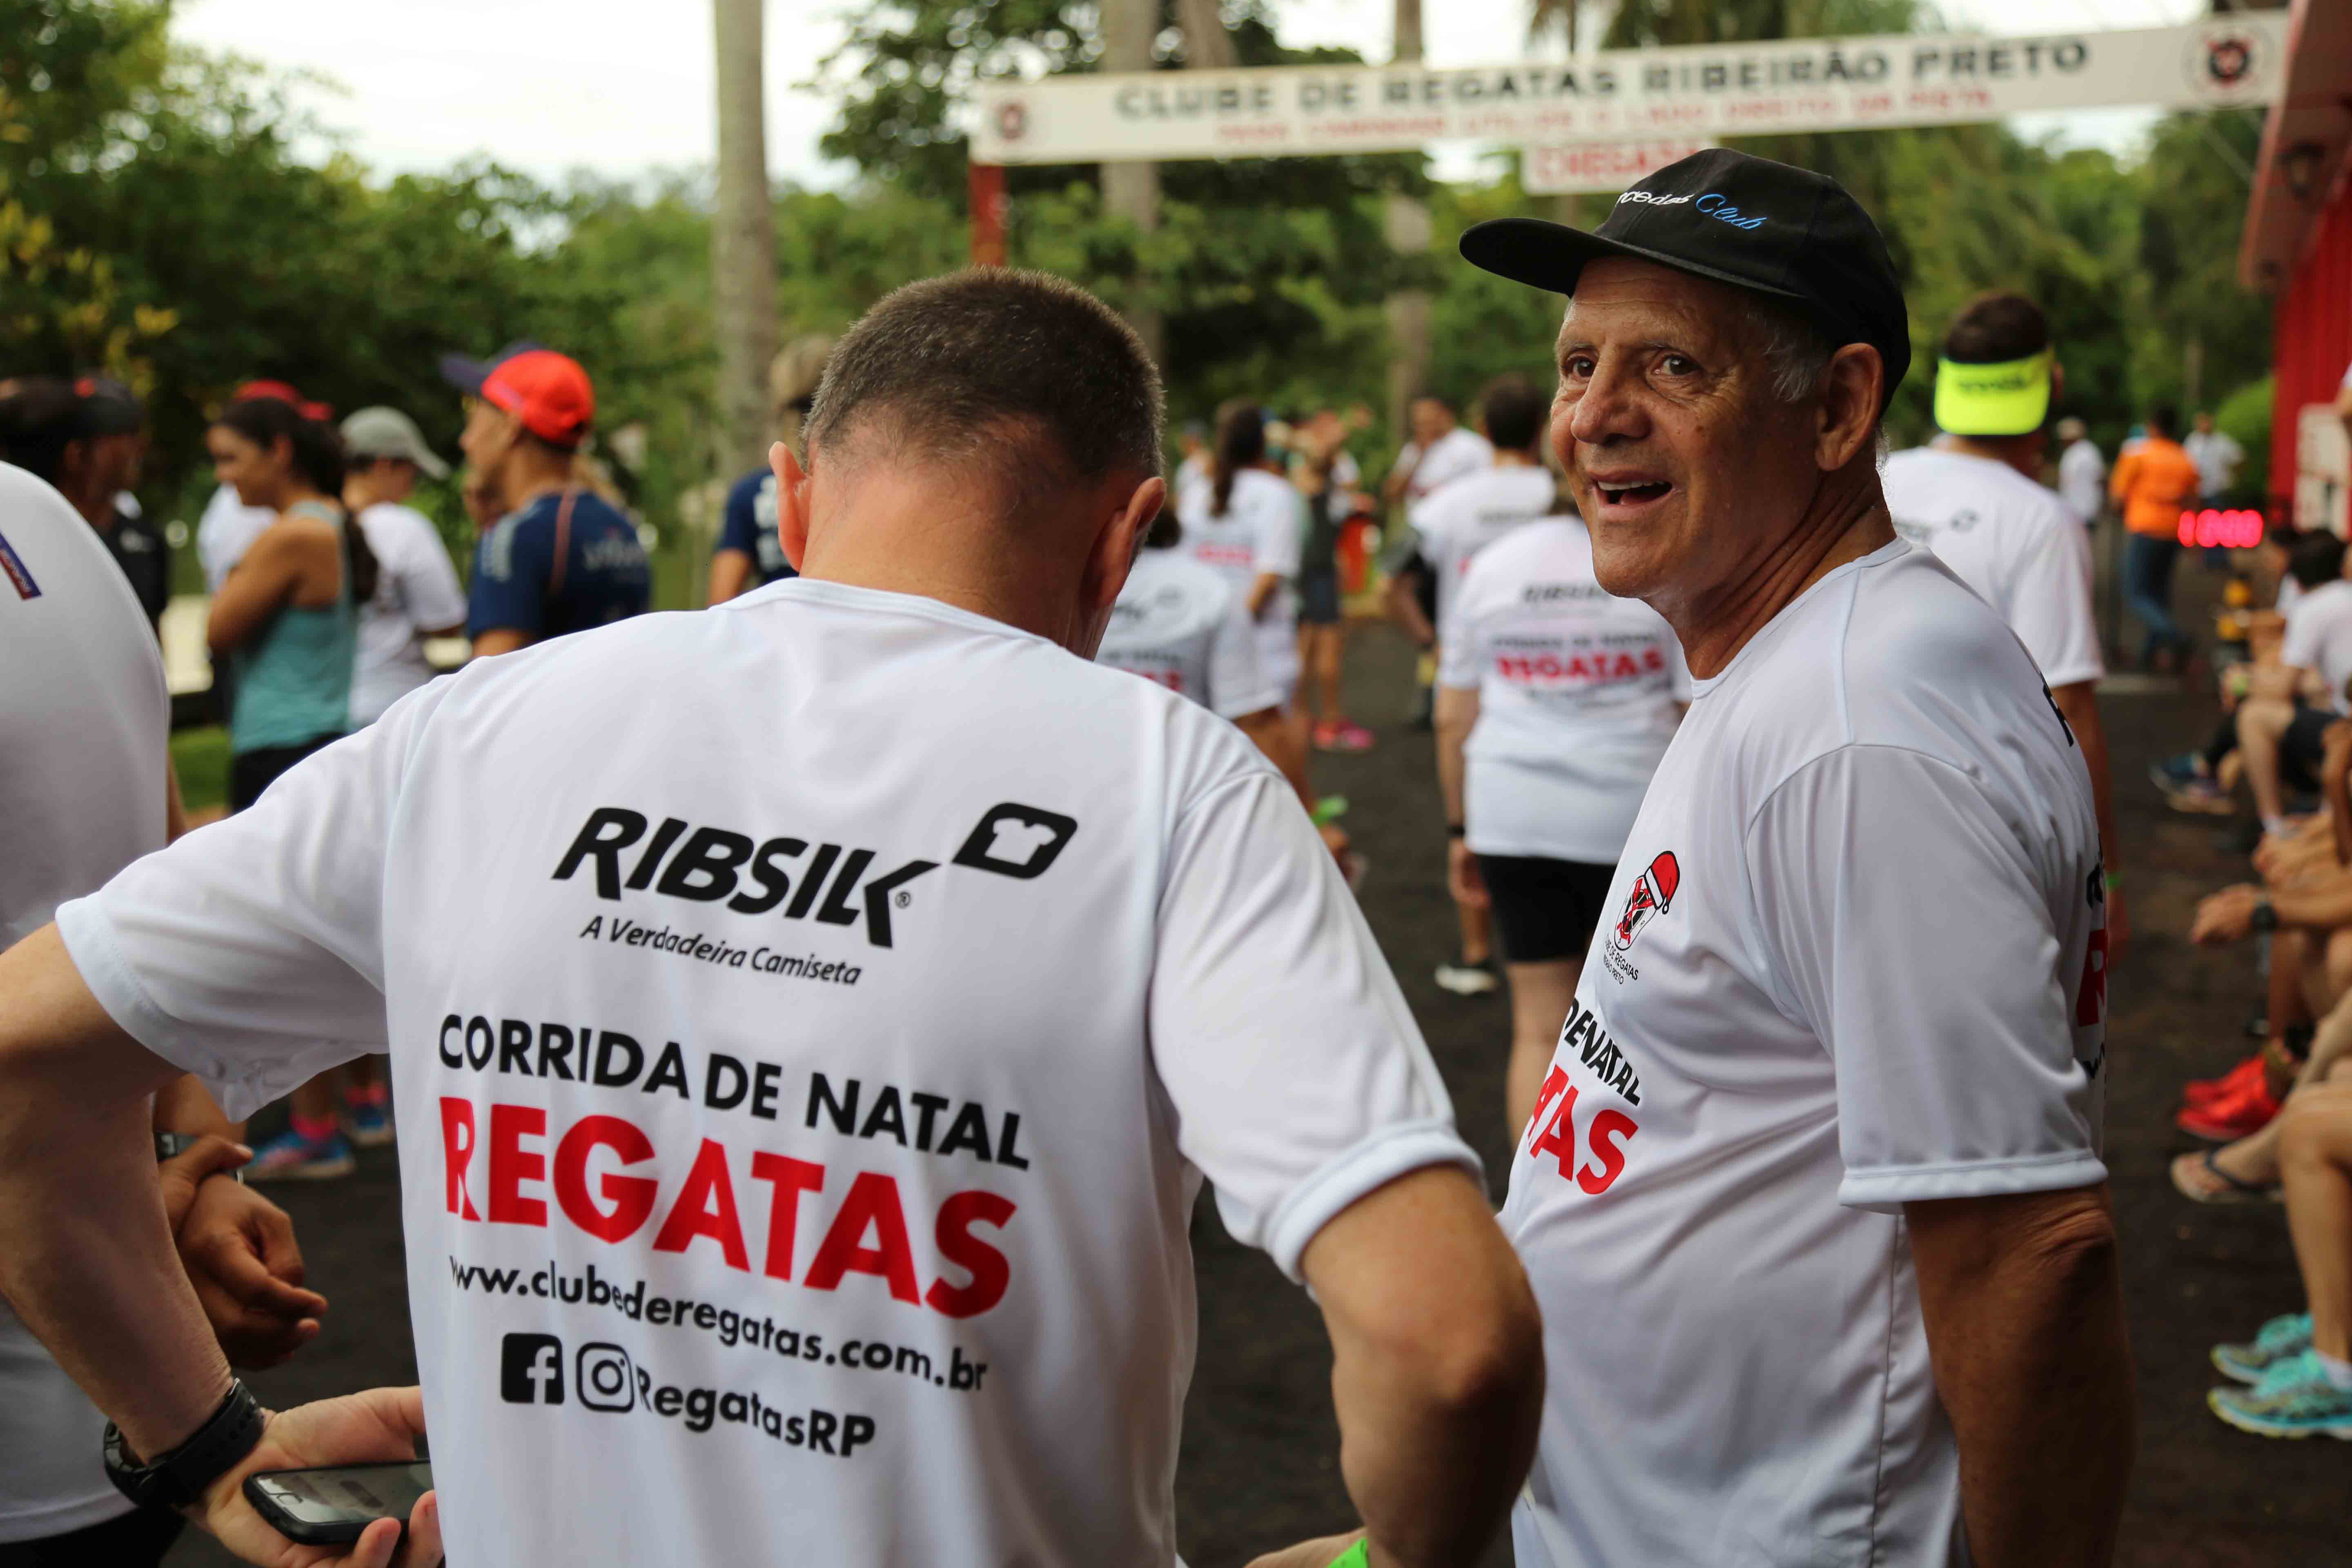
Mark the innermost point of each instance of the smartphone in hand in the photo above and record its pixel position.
(331, 1505)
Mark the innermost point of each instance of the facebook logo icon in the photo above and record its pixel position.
(530, 1370)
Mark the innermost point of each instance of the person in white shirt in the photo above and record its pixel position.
(1811, 1197)
(1452, 523)
(86, 787)
(825, 1060)
(1554, 701)
(1974, 499)
(2082, 472)
(2217, 458)
(1247, 525)
(2289, 709)
(417, 592)
(1440, 452)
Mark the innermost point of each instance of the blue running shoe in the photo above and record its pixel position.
(2172, 773)
(367, 1123)
(2278, 1339)
(290, 1157)
(2294, 1399)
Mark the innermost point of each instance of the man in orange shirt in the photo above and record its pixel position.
(2153, 482)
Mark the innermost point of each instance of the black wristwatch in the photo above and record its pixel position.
(2263, 918)
(1456, 830)
(178, 1479)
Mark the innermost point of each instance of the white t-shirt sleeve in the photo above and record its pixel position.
(1281, 522)
(250, 953)
(1237, 681)
(1298, 1079)
(1900, 912)
(1461, 651)
(2050, 606)
(428, 577)
(2299, 644)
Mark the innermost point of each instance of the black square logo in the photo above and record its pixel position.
(530, 1370)
(1016, 840)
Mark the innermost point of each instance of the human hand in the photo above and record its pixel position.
(1316, 1553)
(239, 1250)
(380, 1425)
(184, 1172)
(2226, 916)
(1462, 878)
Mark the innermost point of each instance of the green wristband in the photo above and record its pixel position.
(1359, 1555)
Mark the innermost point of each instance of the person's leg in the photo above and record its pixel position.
(1541, 994)
(1477, 935)
(1330, 654)
(2261, 723)
(2147, 574)
(2253, 1161)
(2315, 1163)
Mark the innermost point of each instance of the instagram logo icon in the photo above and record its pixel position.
(603, 1379)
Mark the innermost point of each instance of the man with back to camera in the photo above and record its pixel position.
(1975, 498)
(1455, 522)
(2082, 472)
(1812, 1198)
(782, 1175)
(85, 787)
(559, 557)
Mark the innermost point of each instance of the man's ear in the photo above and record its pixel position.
(792, 502)
(1852, 388)
(1114, 546)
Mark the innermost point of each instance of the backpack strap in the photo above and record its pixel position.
(555, 571)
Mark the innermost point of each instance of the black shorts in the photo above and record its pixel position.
(1544, 909)
(1318, 596)
(250, 773)
(2303, 747)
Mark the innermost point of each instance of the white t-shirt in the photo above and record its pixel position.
(1262, 532)
(929, 969)
(1191, 474)
(417, 590)
(2318, 636)
(1576, 698)
(1177, 623)
(2289, 591)
(84, 723)
(2082, 480)
(1854, 957)
(1458, 521)
(1459, 451)
(2217, 458)
(2013, 543)
(225, 532)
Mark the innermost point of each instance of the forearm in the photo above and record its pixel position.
(2322, 907)
(1432, 1477)
(86, 1257)
(1457, 713)
(184, 1106)
(2025, 1327)
(1405, 606)
(1262, 591)
(2080, 704)
(730, 571)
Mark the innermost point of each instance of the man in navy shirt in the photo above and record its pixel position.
(749, 555)
(559, 558)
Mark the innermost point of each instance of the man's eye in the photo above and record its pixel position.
(1579, 365)
(1676, 364)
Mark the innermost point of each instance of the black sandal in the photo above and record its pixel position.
(2233, 1189)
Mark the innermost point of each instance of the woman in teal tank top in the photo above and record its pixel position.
(287, 615)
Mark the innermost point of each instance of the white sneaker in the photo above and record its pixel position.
(1467, 979)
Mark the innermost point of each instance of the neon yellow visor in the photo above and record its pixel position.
(2011, 398)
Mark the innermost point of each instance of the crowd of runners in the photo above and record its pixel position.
(847, 969)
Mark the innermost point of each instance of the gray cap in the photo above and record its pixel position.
(382, 432)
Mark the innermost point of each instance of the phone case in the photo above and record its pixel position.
(303, 1531)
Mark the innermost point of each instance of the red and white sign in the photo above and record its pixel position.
(1559, 170)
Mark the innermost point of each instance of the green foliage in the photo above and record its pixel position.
(2245, 417)
(200, 757)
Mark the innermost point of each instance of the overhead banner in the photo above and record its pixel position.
(1692, 91)
(1550, 169)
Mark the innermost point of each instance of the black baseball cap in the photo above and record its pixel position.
(1784, 232)
(107, 406)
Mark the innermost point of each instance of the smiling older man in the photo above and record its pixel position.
(1812, 1198)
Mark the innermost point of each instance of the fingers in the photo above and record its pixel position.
(424, 1547)
(280, 1255)
(244, 1281)
(207, 1155)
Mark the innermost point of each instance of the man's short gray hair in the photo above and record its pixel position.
(1796, 352)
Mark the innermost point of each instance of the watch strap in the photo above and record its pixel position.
(178, 1478)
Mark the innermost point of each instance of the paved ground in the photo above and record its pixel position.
(1260, 1453)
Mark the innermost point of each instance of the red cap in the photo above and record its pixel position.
(547, 391)
(282, 391)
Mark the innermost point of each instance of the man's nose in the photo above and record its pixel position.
(1608, 409)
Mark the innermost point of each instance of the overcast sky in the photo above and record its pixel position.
(621, 87)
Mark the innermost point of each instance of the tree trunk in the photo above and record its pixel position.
(1132, 191)
(742, 241)
(1404, 221)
